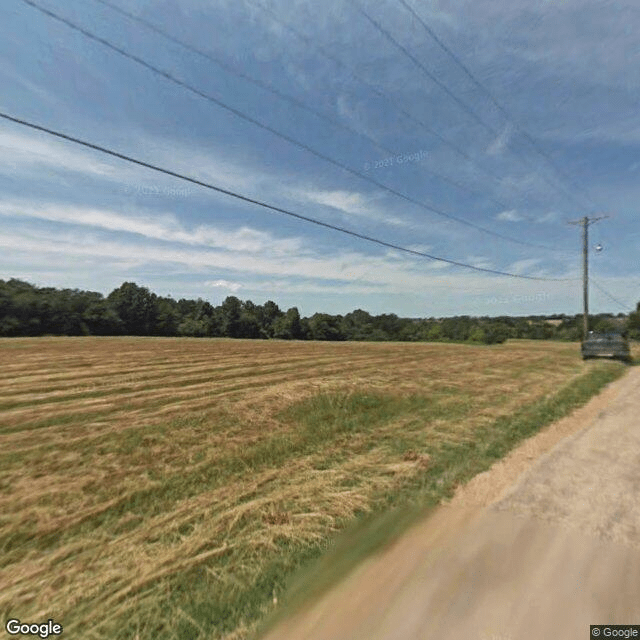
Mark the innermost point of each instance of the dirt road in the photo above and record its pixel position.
(541, 546)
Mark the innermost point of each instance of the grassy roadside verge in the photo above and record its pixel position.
(452, 465)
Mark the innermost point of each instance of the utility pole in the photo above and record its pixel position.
(584, 223)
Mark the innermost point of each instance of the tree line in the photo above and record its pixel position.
(27, 310)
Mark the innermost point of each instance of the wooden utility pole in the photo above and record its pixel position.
(584, 223)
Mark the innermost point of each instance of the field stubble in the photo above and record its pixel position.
(166, 488)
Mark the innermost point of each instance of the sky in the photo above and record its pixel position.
(349, 112)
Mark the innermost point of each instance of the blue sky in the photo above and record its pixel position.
(567, 73)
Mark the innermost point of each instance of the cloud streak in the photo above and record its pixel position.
(156, 227)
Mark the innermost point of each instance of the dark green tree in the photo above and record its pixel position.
(495, 333)
(230, 315)
(289, 326)
(199, 319)
(250, 326)
(137, 308)
(388, 325)
(267, 315)
(322, 326)
(101, 319)
(358, 325)
(167, 318)
(604, 325)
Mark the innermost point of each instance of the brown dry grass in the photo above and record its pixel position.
(125, 463)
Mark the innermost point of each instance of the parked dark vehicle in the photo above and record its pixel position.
(606, 345)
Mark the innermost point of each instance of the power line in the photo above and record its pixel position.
(298, 103)
(292, 100)
(464, 106)
(260, 203)
(495, 102)
(266, 127)
(622, 305)
(424, 70)
(488, 127)
(309, 42)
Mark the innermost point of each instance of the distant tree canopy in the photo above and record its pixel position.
(26, 310)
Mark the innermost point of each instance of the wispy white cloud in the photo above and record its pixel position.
(347, 201)
(287, 287)
(223, 284)
(524, 266)
(499, 144)
(10, 72)
(391, 274)
(513, 215)
(213, 165)
(480, 262)
(527, 55)
(422, 248)
(27, 152)
(549, 216)
(350, 203)
(510, 216)
(341, 278)
(624, 130)
(355, 115)
(157, 227)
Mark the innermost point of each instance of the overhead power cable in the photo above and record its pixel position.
(254, 121)
(463, 105)
(495, 102)
(622, 305)
(260, 203)
(371, 87)
(397, 105)
(466, 108)
(233, 69)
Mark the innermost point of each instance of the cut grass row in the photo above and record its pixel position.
(178, 516)
(106, 375)
(182, 378)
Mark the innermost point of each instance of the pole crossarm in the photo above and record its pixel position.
(588, 220)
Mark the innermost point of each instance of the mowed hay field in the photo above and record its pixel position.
(166, 488)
